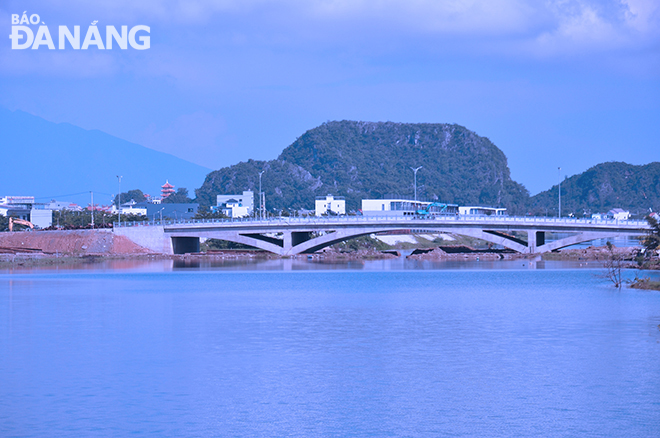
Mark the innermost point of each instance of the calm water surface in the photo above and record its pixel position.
(291, 348)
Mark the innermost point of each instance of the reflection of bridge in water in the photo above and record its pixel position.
(290, 236)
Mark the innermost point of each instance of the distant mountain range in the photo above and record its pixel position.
(55, 160)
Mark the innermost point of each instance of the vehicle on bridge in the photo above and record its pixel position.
(430, 210)
(405, 207)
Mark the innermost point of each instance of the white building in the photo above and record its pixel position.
(482, 211)
(130, 207)
(619, 214)
(404, 207)
(244, 203)
(41, 218)
(17, 200)
(233, 209)
(330, 205)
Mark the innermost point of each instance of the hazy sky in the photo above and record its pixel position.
(568, 83)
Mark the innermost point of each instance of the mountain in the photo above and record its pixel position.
(373, 160)
(603, 187)
(49, 160)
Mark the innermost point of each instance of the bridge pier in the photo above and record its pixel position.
(535, 239)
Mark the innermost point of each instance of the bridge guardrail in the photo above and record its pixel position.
(526, 220)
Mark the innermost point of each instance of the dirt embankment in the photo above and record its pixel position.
(592, 253)
(74, 242)
(331, 253)
(465, 253)
(461, 253)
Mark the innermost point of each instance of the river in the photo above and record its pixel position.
(297, 348)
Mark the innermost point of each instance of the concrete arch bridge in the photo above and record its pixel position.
(291, 236)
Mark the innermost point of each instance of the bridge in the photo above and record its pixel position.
(288, 236)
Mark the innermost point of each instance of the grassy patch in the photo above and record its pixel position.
(645, 283)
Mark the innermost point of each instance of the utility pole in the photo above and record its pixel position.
(119, 200)
(559, 211)
(415, 169)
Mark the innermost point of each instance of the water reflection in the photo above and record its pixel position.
(296, 264)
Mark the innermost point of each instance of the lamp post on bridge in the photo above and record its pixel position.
(415, 169)
(261, 206)
(559, 210)
(119, 201)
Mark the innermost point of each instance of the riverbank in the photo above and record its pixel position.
(75, 243)
(645, 284)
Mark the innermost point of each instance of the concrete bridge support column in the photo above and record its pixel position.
(535, 239)
(287, 238)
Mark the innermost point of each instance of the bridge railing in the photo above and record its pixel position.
(415, 221)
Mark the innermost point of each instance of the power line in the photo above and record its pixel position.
(73, 194)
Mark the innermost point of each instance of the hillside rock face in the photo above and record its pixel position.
(372, 160)
(603, 187)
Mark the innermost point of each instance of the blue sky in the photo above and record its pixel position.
(568, 83)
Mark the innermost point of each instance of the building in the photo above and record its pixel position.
(130, 207)
(330, 205)
(481, 211)
(59, 206)
(17, 211)
(41, 218)
(241, 205)
(233, 209)
(24, 207)
(169, 211)
(405, 207)
(17, 200)
(618, 214)
(166, 190)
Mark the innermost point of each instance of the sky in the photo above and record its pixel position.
(555, 83)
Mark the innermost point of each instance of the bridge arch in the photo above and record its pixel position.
(289, 246)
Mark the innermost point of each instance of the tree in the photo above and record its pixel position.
(652, 240)
(204, 212)
(614, 266)
(135, 195)
(180, 197)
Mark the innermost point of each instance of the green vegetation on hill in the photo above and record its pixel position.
(136, 195)
(180, 197)
(603, 187)
(361, 160)
(372, 160)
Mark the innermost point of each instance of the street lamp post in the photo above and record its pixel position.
(119, 200)
(261, 206)
(559, 211)
(92, 221)
(415, 169)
